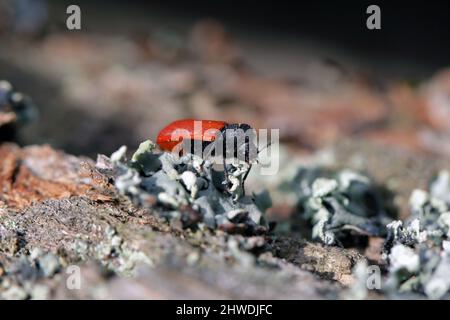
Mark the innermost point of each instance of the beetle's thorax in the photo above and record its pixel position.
(239, 141)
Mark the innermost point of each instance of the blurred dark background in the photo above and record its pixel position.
(415, 32)
(312, 69)
(418, 29)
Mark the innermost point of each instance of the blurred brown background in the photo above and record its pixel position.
(312, 70)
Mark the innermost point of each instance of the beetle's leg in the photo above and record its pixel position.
(248, 171)
(244, 178)
(225, 171)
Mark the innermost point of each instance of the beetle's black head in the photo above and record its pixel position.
(235, 126)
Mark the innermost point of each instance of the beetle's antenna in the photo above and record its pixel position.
(246, 174)
(266, 146)
(259, 150)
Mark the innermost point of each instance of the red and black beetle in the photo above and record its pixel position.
(207, 132)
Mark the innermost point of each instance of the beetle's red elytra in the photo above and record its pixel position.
(192, 129)
(206, 132)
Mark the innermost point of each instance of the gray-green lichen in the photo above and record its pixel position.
(339, 204)
(186, 189)
(24, 273)
(15, 106)
(418, 252)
